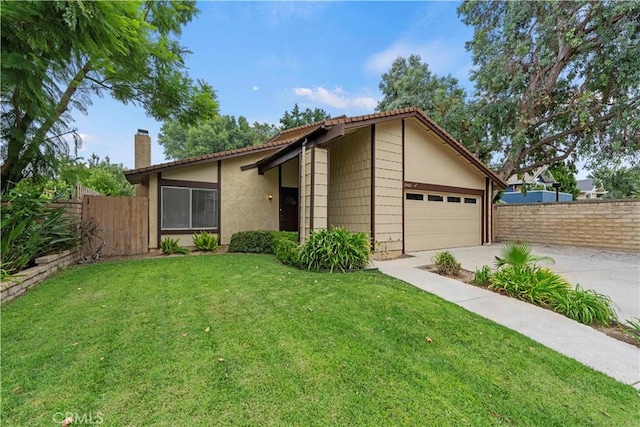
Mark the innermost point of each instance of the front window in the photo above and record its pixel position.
(189, 208)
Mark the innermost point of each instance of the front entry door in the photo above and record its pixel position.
(288, 209)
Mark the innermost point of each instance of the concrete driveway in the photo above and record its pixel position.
(615, 274)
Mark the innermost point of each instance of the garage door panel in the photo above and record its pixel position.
(442, 224)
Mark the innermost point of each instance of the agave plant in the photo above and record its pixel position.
(519, 255)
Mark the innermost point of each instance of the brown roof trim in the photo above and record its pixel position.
(134, 175)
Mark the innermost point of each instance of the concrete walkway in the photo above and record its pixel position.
(582, 343)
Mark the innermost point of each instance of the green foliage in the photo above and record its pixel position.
(30, 229)
(585, 306)
(556, 80)
(620, 182)
(519, 255)
(482, 276)
(170, 246)
(56, 55)
(565, 174)
(337, 248)
(297, 118)
(205, 241)
(446, 263)
(633, 329)
(520, 277)
(258, 241)
(287, 251)
(410, 83)
(530, 283)
(217, 134)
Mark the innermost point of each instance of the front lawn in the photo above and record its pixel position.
(240, 339)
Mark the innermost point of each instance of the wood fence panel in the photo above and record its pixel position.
(123, 223)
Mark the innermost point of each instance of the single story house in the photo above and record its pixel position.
(396, 175)
(589, 190)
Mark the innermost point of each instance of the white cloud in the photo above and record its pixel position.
(336, 98)
(255, 87)
(443, 57)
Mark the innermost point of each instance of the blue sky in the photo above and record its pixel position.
(262, 57)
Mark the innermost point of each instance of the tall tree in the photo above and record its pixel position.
(56, 55)
(620, 182)
(217, 134)
(557, 79)
(410, 83)
(299, 117)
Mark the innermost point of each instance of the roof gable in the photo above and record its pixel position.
(297, 135)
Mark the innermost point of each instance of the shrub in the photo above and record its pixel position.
(530, 283)
(482, 276)
(446, 263)
(260, 241)
(586, 306)
(287, 251)
(518, 255)
(205, 241)
(335, 249)
(170, 246)
(31, 229)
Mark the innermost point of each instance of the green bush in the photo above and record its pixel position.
(170, 246)
(31, 229)
(205, 241)
(260, 241)
(287, 251)
(530, 283)
(335, 249)
(446, 263)
(585, 306)
(482, 276)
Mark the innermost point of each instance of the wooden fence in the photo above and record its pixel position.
(123, 223)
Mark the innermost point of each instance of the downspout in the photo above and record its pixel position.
(303, 188)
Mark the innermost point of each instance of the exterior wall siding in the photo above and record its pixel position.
(321, 188)
(153, 211)
(290, 173)
(429, 161)
(305, 197)
(606, 224)
(245, 203)
(388, 187)
(350, 184)
(207, 172)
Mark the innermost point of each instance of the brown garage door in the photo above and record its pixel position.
(440, 220)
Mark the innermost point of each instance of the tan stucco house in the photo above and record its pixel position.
(396, 176)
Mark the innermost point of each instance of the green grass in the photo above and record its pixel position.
(241, 339)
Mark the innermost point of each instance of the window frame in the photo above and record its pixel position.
(414, 196)
(213, 187)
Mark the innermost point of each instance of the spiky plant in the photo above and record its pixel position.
(519, 255)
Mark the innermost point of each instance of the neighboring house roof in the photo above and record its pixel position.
(586, 184)
(589, 186)
(532, 177)
(290, 138)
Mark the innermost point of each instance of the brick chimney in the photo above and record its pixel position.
(142, 149)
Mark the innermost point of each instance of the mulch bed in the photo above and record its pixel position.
(614, 331)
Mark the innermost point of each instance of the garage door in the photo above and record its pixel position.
(440, 220)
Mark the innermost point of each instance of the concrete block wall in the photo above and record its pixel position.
(605, 224)
(27, 279)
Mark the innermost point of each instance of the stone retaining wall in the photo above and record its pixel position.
(606, 224)
(27, 279)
